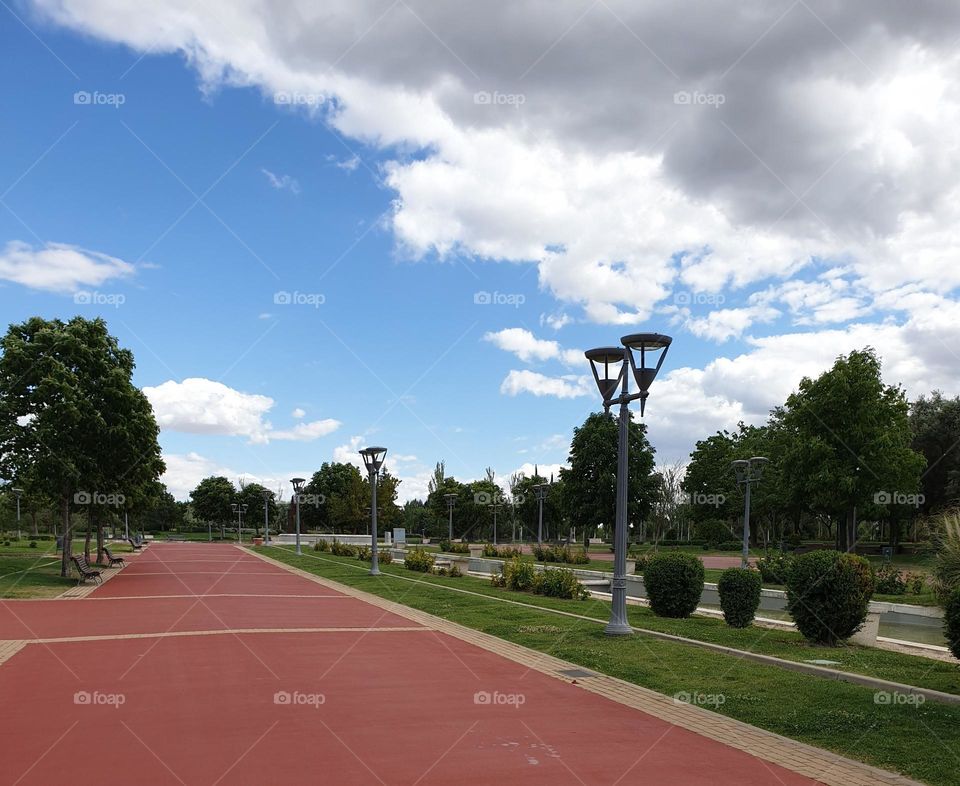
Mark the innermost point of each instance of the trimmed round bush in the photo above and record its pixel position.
(952, 622)
(674, 582)
(828, 594)
(739, 590)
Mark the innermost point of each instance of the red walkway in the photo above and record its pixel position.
(388, 706)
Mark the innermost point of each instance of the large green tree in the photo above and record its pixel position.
(590, 483)
(850, 441)
(71, 419)
(212, 500)
(251, 495)
(935, 425)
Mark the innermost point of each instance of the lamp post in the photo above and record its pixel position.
(373, 460)
(451, 501)
(540, 491)
(297, 484)
(610, 366)
(18, 493)
(267, 496)
(239, 509)
(496, 506)
(748, 471)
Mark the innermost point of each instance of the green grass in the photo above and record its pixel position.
(35, 573)
(833, 715)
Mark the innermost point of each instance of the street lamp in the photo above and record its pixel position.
(540, 492)
(18, 493)
(451, 501)
(373, 460)
(239, 509)
(267, 496)
(748, 471)
(496, 506)
(297, 484)
(610, 366)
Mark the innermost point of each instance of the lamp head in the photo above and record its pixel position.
(297, 484)
(608, 366)
(652, 347)
(373, 458)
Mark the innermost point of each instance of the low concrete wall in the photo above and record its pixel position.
(313, 537)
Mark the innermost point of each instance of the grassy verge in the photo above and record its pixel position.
(916, 740)
(35, 573)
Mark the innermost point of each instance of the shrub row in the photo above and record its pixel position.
(521, 576)
(453, 548)
(565, 554)
(418, 560)
(503, 552)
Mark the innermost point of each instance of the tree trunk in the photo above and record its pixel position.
(100, 555)
(86, 539)
(67, 536)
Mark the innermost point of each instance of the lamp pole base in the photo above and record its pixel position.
(618, 629)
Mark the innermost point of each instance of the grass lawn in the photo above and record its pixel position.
(916, 740)
(35, 573)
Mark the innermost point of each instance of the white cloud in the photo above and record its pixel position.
(727, 323)
(185, 470)
(58, 267)
(528, 347)
(298, 413)
(567, 386)
(282, 182)
(203, 406)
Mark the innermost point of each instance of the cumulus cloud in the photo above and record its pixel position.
(759, 142)
(203, 406)
(58, 267)
(528, 347)
(567, 386)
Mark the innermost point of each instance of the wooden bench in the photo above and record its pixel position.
(136, 546)
(114, 560)
(85, 571)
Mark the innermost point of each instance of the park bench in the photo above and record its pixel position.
(114, 560)
(85, 571)
(135, 544)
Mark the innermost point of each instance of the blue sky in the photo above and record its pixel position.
(182, 201)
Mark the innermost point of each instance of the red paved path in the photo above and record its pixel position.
(398, 705)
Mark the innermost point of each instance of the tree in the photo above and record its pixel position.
(851, 440)
(590, 483)
(251, 495)
(71, 419)
(935, 425)
(212, 499)
(337, 498)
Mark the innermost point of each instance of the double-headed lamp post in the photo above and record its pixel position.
(748, 471)
(297, 484)
(540, 491)
(373, 460)
(239, 509)
(18, 493)
(267, 496)
(451, 501)
(610, 366)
